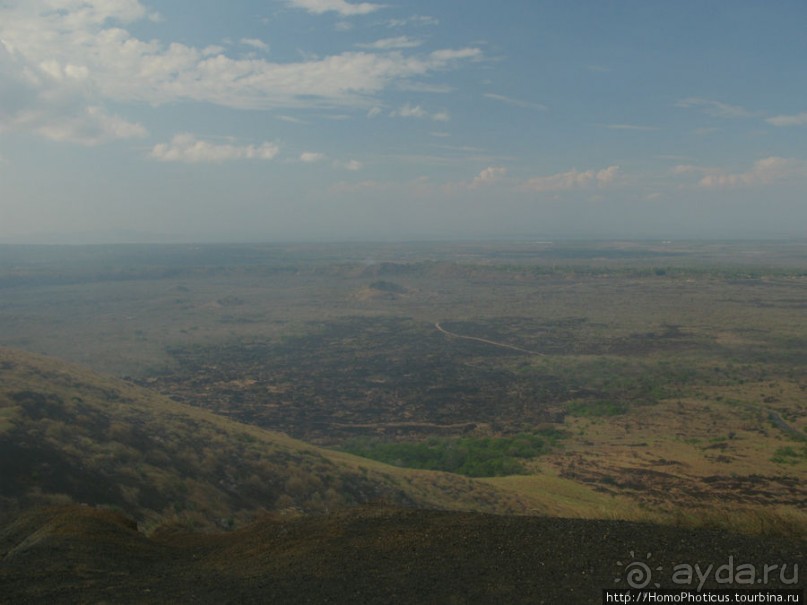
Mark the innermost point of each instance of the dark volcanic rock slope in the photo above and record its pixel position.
(369, 555)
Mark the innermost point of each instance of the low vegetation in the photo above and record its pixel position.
(790, 455)
(470, 456)
(71, 436)
(591, 409)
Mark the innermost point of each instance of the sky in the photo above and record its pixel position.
(278, 120)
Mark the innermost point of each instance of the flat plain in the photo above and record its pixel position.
(664, 380)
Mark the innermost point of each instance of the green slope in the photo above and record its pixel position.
(68, 435)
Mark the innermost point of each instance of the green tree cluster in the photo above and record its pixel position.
(470, 456)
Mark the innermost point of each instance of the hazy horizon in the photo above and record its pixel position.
(329, 120)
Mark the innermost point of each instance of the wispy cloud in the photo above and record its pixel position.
(431, 88)
(61, 63)
(418, 20)
(800, 119)
(714, 108)
(92, 126)
(410, 111)
(573, 179)
(629, 127)
(188, 149)
(488, 176)
(309, 157)
(515, 102)
(255, 43)
(416, 111)
(291, 119)
(68, 123)
(765, 171)
(351, 165)
(390, 43)
(49, 100)
(447, 55)
(343, 187)
(422, 186)
(460, 148)
(345, 9)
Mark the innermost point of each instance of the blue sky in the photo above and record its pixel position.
(329, 119)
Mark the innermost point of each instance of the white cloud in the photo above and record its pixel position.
(352, 165)
(629, 127)
(573, 179)
(799, 119)
(373, 112)
(360, 187)
(345, 9)
(424, 87)
(92, 127)
(409, 111)
(48, 99)
(515, 102)
(391, 43)
(461, 148)
(717, 109)
(81, 44)
(418, 20)
(765, 171)
(416, 111)
(688, 168)
(190, 150)
(488, 176)
(309, 157)
(291, 120)
(79, 13)
(423, 187)
(447, 55)
(19, 86)
(606, 176)
(255, 43)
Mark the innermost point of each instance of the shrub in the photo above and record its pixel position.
(789, 455)
(588, 409)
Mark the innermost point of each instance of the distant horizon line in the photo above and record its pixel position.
(144, 239)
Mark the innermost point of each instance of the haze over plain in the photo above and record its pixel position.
(129, 120)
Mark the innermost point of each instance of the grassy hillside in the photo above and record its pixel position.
(68, 435)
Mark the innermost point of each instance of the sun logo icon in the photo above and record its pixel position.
(638, 573)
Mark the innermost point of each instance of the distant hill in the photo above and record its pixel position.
(68, 435)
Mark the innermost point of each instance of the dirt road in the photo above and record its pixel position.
(485, 340)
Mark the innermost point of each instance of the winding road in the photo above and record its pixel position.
(774, 417)
(486, 341)
(779, 422)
